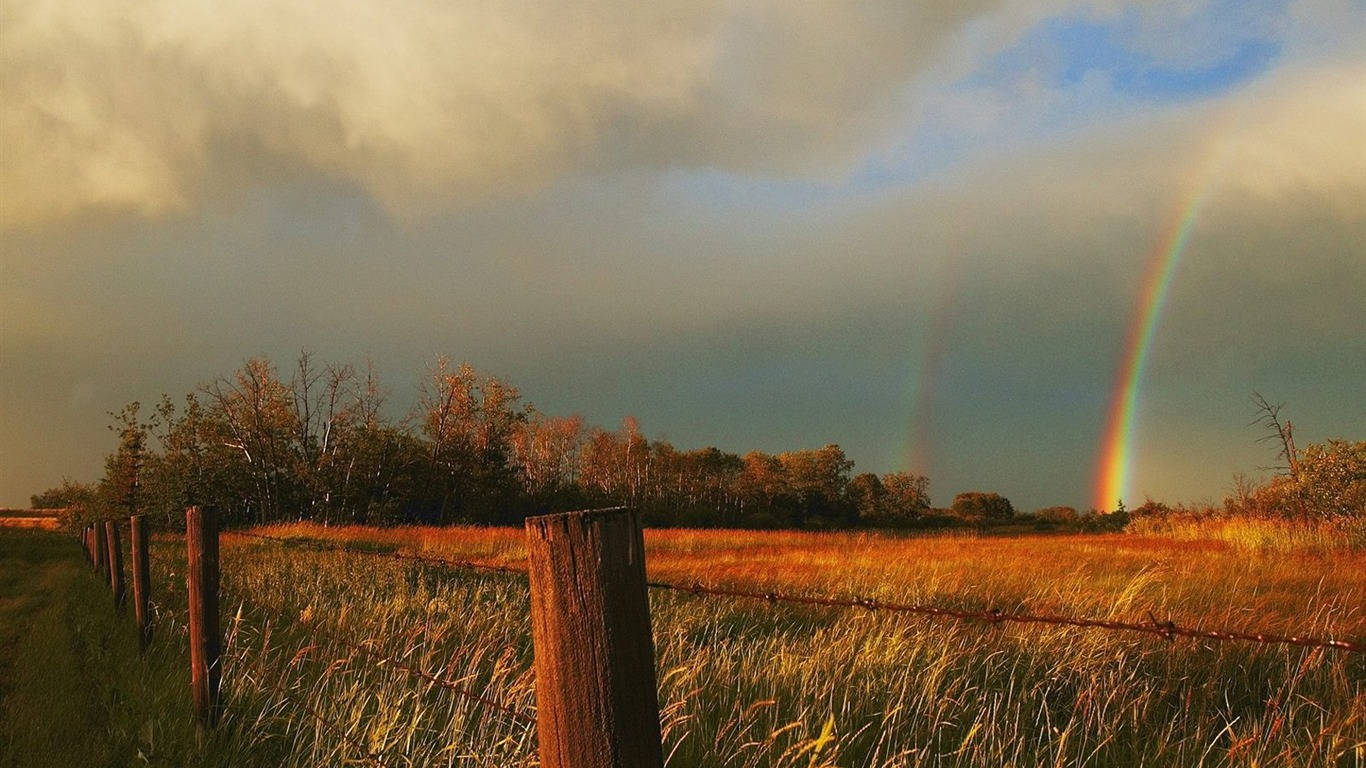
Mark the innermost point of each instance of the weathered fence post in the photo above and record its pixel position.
(201, 573)
(137, 542)
(101, 555)
(85, 542)
(596, 703)
(111, 536)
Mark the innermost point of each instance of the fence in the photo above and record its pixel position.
(596, 698)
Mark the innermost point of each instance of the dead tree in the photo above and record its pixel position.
(1269, 418)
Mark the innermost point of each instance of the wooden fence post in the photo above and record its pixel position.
(111, 536)
(85, 542)
(596, 702)
(201, 543)
(101, 555)
(137, 542)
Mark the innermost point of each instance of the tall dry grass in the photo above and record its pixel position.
(1253, 534)
(746, 684)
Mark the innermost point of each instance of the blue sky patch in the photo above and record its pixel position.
(1068, 51)
(1086, 48)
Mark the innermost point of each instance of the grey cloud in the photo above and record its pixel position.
(761, 325)
(426, 104)
(609, 289)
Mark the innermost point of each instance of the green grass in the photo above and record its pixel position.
(74, 690)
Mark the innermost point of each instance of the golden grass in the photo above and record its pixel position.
(33, 521)
(748, 684)
(1243, 570)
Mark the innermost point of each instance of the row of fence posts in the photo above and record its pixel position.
(596, 700)
(103, 550)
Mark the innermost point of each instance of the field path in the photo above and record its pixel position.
(55, 622)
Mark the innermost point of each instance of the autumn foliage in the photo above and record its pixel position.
(325, 444)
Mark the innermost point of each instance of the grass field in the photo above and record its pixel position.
(29, 518)
(751, 684)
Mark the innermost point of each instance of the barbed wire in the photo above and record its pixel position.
(1167, 629)
(520, 717)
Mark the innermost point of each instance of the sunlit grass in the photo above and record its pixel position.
(745, 683)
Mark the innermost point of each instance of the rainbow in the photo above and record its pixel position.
(1112, 475)
(933, 348)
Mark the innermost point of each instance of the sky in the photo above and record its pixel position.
(923, 231)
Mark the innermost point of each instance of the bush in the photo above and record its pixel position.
(75, 500)
(1331, 485)
(1332, 479)
(1056, 515)
(1151, 507)
(978, 507)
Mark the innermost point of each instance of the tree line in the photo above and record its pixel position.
(316, 444)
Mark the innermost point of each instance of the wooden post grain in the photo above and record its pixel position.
(596, 703)
(111, 537)
(101, 555)
(201, 542)
(137, 542)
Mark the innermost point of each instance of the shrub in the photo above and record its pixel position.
(1150, 507)
(1332, 479)
(1331, 484)
(979, 507)
(1056, 515)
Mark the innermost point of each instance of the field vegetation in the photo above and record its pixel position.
(341, 656)
(746, 683)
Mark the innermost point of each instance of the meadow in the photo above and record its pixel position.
(45, 519)
(322, 647)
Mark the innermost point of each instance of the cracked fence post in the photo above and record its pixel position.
(111, 537)
(201, 576)
(596, 702)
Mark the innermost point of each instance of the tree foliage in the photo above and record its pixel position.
(979, 507)
(323, 443)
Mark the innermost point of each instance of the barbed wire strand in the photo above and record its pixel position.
(1166, 629)
(279, 689)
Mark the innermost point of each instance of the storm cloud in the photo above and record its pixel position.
(750, 225)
